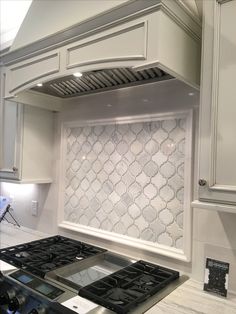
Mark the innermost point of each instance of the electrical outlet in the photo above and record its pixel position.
(34, 208)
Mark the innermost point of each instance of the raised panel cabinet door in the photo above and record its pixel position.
(218, 104)
(10, 142)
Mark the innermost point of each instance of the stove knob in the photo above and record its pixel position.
(16, 303)
(39, 310)
(7, 296)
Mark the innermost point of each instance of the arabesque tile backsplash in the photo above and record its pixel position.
(128, 179)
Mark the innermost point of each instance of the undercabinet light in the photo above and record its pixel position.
(39, 84)
(77, 74)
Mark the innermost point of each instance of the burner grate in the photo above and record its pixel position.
(40, 257)
(125, 289)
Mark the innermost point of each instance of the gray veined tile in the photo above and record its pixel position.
(69, 132)
(158, 203)
(180, 170)
(128, 178)
(97, 148)
(74, 201)
(135, 190)
(115, 157)
(122, 148)
(148, 235)
(120, 188)
(159, 158)
(127, 199)
(101, 196)
(86, 147)
(98, 130)
(133, 232)
(123, 129)
(69, 191)
(114, 177)
(86, 165)
(149, 213)
(74, 183)
(169, 125)
(79, 193)
(143, 179)
(181, 147)
(166, 217)
(136, 147)
(85, 184)
(165, 239)
(180, 195)
(97, 166)
(84, 202)
(106, 225)
(150, 191)
(114, 197)
(91, 176)
(121, 167)
(109, 148)
(174, 231)
(120, 208)
(160, 136)
(101, 215)
(166, 193)
(179, 243)
(168, 147)
(141, 223)
(143, 137)
(87, 130)
(136, 127)
(76, 147)
(108, 167)
(179, 219)
(142, 201)
(127, 220)
(116, 137)
(158, 180)
(84, 220)
(103, 157)
(143, 158)
(102, 176)
(75, 165)
(108, 187)
(95, 223)
(135, 168)
(96, 185)
(167, 170)
(114, 218)
(94, 204)
(134, 211)
(151, 147)
(75, 132)
(176, 182)
(119, 228)
(150, 169)
(110, 129)
(72, 217)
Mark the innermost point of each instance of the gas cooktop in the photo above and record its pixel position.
(40, 257)
(58, 275)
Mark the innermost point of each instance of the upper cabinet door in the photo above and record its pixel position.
(217, 179)
(10, 140)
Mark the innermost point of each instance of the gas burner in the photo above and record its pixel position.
(40, 257)
(125, 289)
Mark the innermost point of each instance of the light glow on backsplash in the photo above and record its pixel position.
(17, 190)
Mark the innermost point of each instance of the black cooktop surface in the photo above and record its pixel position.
(42, 256)
(123, 290)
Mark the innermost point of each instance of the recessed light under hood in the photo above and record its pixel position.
(100, 80)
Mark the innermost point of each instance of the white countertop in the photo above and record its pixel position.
(187, 299)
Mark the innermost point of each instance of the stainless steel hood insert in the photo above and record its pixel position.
(100, 80)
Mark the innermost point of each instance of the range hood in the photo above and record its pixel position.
(115, 44)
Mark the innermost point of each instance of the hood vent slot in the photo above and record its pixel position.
(100, 80)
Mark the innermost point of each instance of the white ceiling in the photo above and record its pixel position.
(12, 13)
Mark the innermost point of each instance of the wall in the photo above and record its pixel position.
(214, 234)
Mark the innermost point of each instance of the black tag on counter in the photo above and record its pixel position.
(216, 277)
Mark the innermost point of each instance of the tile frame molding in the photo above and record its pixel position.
(179, 254)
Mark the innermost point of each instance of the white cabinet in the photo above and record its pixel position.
(217, 177)
(26, 143)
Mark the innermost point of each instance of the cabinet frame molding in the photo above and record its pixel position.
(183, 254)
(215, 86)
